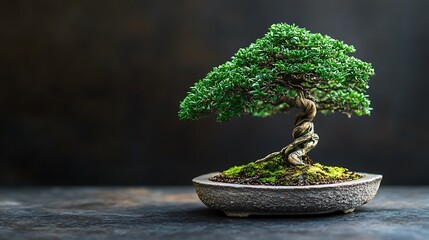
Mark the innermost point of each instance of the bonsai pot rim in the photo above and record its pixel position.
(242, 200)
(204, 179)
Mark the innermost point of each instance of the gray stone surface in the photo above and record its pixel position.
(177, 213)
(238, 200)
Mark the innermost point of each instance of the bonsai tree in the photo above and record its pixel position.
(287, 68)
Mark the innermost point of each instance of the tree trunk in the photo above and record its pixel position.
(304, 137)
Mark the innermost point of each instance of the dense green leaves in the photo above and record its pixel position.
(264, 78)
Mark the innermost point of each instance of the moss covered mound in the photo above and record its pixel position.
(275, 172)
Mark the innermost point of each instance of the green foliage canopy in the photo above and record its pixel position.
(264, 78)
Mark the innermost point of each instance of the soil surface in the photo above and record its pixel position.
(302, 180)
(276, 173)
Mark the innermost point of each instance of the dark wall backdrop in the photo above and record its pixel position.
(89, 90)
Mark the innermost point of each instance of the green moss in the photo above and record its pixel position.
(275, 172)
(233, 171)
(266, 171)
(271, 179)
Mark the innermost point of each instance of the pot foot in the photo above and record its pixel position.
(237, 214)
(348, 210)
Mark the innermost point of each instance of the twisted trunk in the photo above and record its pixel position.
(304, 137)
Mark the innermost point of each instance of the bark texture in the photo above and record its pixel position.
(304, 137)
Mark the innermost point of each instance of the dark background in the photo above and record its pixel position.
(89, 90)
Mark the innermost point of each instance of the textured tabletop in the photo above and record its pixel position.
(176, 213)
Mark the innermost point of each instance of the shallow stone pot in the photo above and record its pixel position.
(239, 200)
